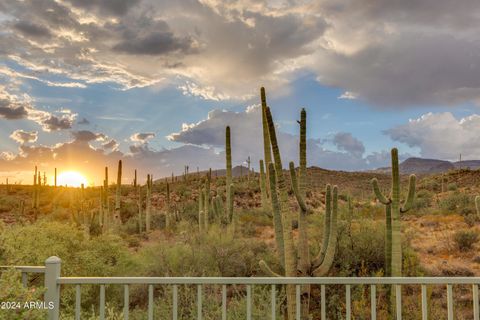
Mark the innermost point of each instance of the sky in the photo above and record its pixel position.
(85, 83)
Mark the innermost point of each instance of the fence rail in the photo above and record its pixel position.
(53, 282)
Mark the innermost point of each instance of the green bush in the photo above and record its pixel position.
(82, 255)
(465, 239)
(12, 291)
(456, 201)
(452, 186)
(423, 200)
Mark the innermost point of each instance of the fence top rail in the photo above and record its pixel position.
(270, 280)
(28, 269)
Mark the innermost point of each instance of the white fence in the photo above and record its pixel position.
(54, 281)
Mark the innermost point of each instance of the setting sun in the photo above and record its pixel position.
(71, 179)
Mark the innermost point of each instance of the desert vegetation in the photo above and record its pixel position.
(303, 221)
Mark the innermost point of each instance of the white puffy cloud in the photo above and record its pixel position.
(441, 135)
(23, 137)
(142, 137)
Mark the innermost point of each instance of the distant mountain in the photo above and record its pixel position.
(420, 165)
(236, 172)
(428, 166)
(472, 164)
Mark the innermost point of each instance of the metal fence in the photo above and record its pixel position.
(54, 280)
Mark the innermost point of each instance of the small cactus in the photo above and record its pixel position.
(118, 193)
(148, 199)
(477, 205)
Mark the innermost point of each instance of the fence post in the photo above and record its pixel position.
(52, 293)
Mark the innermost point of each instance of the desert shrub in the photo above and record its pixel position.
(105, 255)
(128, 210)
(452, 186)
(465, 239)
(423, 200)
(11, 290)
(455, 200)
(470, 219)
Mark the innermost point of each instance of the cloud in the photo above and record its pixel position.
(31, 29)
(108, 7)
(23, 137)
(199, 43)
(110, 145)
(155, 43)
(13, 107)
(142, 137)
(346, 142)
(441, 135)
(87, 136)
(246, 136)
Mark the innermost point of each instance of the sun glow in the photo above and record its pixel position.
(71, 179)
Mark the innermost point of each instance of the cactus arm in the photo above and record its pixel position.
(411, 194)
(378, 193)
(277, 218)
(265, 268)
(327, 262)
(326, 228)
(296, 191)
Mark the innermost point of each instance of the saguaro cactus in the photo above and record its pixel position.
(263, 186)
(148, 200)
(298, 263)
(118, 193)
(393, 251)
(55, 178)
(135, 179)
(267, 153)
(201, 208)
(228, 183)
(207, 202)
(477, 204)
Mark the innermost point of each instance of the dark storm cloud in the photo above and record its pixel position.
(157, 43)
(32, 29)
(112, 7)
(13, 112)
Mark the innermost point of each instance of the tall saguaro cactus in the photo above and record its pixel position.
(267, 153)
(298, 263)
(228, 181)
(118, 193)
(394, 208)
